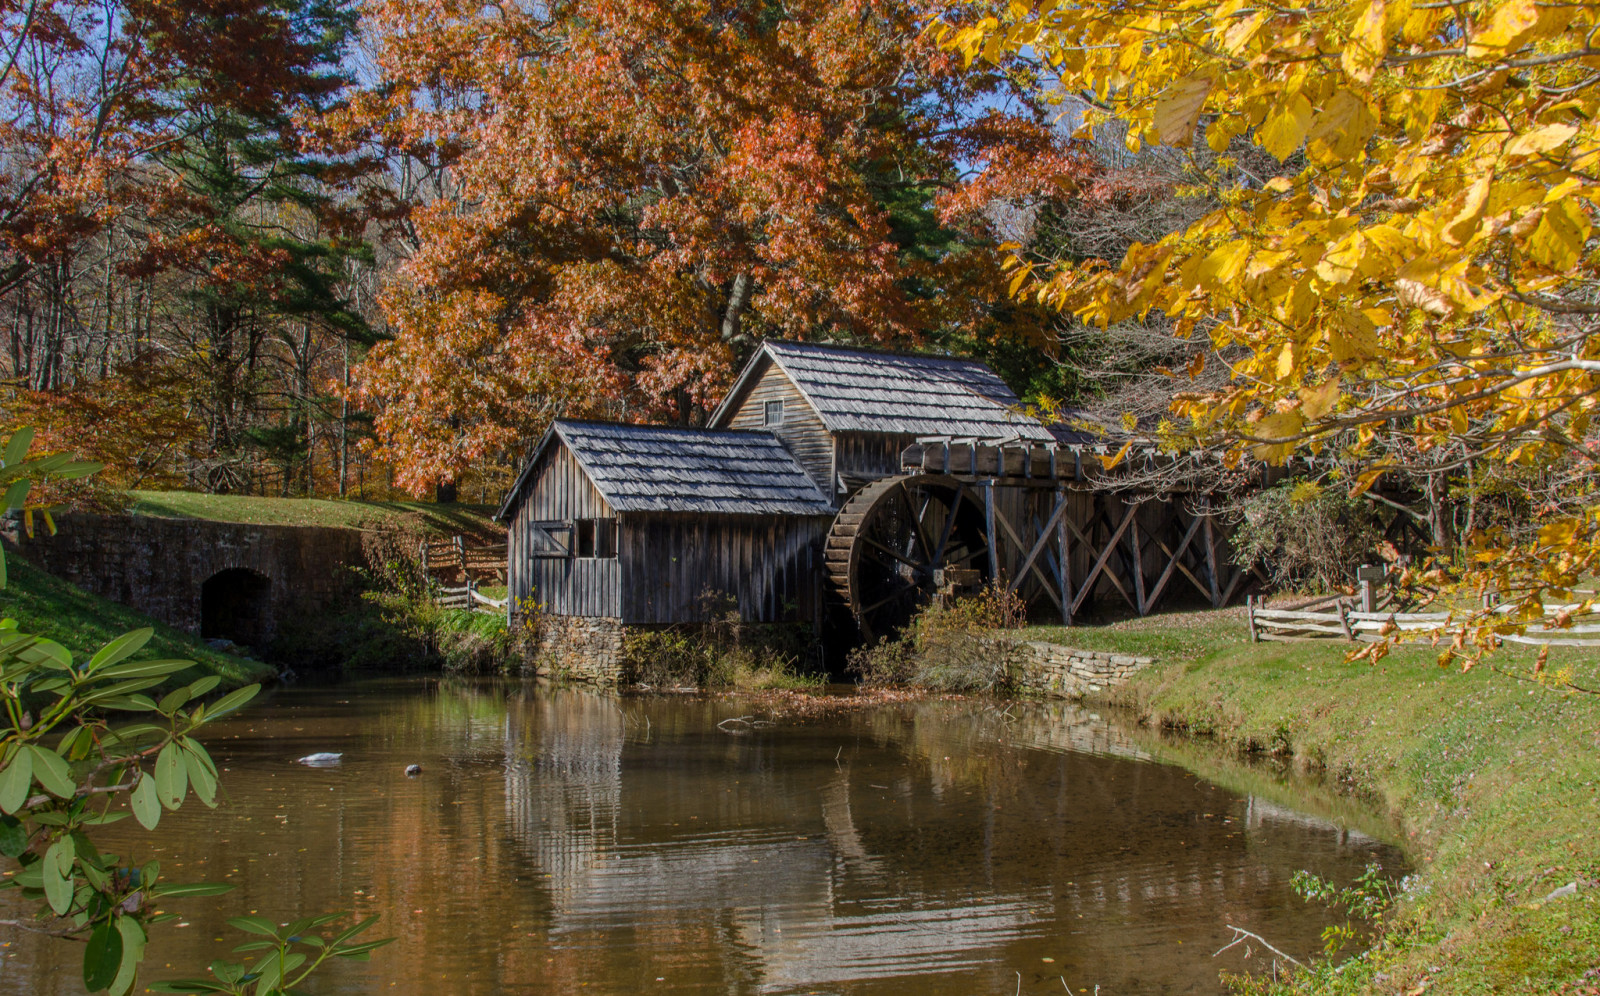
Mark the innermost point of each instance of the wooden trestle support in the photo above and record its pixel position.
(1047, 521)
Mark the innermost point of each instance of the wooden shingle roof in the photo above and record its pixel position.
(856, 390)
(654, 468)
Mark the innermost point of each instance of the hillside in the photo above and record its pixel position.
(472, 521)
(47, 606)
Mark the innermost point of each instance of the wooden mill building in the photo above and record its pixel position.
(832, 485)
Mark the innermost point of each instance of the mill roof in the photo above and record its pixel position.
(858, 390)
(654, 468)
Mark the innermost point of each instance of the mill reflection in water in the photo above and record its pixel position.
(561, 841)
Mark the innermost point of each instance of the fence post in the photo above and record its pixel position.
(1250, 616)
(1367, 574)
(1344, 620)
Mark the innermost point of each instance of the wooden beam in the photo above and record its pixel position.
(988, 525)
(1105, 555)
(1039, 544)
(1138, 565)
(1064, 565)
(1211, 557)
(1022, 572)
(1166, 575)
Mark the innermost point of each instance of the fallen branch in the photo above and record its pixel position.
(1240, 935)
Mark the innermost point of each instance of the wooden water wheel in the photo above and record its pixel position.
(896, 541)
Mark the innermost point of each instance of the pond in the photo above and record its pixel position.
(562, 840)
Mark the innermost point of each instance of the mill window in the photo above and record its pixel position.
(594, 539)
(774, 413)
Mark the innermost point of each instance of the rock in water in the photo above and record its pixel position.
(413, 770)
(320, 760)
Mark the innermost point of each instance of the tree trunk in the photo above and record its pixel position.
(738, 301)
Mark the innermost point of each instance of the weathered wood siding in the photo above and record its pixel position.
(802, 430)
(863, 457)
(563, 586)
(768, 563)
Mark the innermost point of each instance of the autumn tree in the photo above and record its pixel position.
(640, 191)
(1417, 291)
(168, 239)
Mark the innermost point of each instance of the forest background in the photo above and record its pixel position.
(316, 247)
(313, 247)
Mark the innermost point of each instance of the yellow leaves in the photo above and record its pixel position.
(1369, 43)
(1540, 140)
(1342, 127)
(1340, 264)
(1465, 222)
(1510, 27)
(1558, 240)
(1109, 462)
(1278, 426)
(1178, 108)
(1239, 33)
(1317, 402)
(1223, 266)
(1288, 360)
(1352, 338)
(1285, 127)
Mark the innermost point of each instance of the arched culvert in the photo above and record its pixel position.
(236, 604)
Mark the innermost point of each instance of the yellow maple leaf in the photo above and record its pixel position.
(1178, 108)
(1285, 127)
(1369, 43)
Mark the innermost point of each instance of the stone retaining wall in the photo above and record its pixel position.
(1065, 672)
(161, 566)
(582, 648)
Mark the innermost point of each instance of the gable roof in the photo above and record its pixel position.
(657, 468)
(858, 390)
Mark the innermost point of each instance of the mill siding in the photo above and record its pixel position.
(560, 491)
(801, 429)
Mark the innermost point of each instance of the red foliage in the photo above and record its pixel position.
(639, 189)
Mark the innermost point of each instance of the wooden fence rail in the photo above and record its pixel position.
(469, 598)
(1340, 620)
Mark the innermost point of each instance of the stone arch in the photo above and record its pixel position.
(236, 604)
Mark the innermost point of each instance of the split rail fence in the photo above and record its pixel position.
(1338, 617)
(454, 559)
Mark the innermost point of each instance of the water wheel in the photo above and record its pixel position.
(896, 541)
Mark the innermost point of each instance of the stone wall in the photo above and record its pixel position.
(581, 648)
(1065, 672)
(161, 566)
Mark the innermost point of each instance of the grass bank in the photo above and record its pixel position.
(47, 606)
(472, 521)
(1494, 784)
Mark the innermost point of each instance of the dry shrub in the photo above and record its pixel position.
(722, 651)
(963, 645)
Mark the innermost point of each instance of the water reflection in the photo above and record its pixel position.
(561, 840)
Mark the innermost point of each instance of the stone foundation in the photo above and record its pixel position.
(1055, 671)
(580, 648)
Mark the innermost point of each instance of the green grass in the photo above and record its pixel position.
(469, 520)
(47, 606)
(1493, 783)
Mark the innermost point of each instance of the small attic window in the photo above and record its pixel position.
(773, 414)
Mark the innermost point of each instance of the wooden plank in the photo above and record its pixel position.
(1214, 584)
(1031, 560)
(1513, 638)
(1299, 627)
(1137, 566)
(1099, 564)
(1166, 575)
(1406, 616)
(1296, 614)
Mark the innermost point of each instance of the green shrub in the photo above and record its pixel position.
(722, 652)
(1307, 535)
(961, 645)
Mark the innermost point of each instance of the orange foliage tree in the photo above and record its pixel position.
(1415, 291)
(636, 191)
